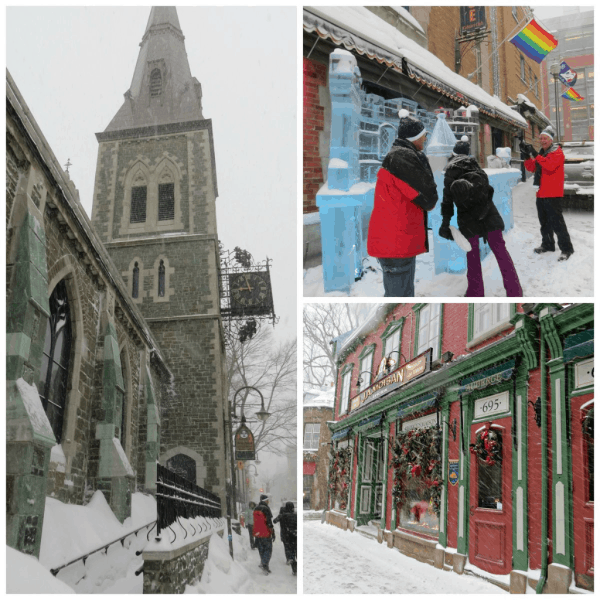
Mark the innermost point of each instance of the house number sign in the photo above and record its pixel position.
(491, 405)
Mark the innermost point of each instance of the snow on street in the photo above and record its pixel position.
(243, 576)
(342, 562)
(539, 274)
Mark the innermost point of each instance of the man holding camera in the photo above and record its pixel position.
(548, 166)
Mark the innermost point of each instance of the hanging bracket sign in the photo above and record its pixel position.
(244, 444)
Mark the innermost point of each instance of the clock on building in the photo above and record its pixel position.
(250, 292)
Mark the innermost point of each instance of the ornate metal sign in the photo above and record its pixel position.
(244, 444)
(245, 289)
(472, 18)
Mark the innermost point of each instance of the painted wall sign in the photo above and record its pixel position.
(491, 405)
(244, 444)
(394, 380)
(453, 472)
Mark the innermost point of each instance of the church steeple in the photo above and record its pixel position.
(162, 90)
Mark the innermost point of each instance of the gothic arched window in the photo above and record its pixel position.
(139, 193)
(184, 466)
(161, 279)
(155, 82)
(166, 197)
(55, 359)
(135, 284)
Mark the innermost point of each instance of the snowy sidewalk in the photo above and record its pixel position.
(341, 562)
(540, 274)
(243, 576)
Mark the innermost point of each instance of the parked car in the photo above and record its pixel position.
(579, 174)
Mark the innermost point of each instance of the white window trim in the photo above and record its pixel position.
(494, 330)
(362, 376)
(436, 344)
(312, 434)
(345, 394)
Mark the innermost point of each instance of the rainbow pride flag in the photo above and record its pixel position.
(571, 94)
(534, 41)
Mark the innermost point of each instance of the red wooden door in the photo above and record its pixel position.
(490, 521)
(582, 439)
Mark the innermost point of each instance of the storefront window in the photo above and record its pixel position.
(588, 441)
(418, 512)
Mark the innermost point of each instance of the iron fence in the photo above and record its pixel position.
(177, 498)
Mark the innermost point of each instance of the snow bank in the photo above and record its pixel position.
(70, 531)
(25, 575)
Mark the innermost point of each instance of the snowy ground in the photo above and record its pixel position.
(540, 274)
(341, 562)
(223, 576)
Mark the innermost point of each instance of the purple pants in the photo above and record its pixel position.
(507, 267)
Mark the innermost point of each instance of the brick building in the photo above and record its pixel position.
(317, 411)
(464, 434)
(575, 35)
(426, 34)
(115, 353)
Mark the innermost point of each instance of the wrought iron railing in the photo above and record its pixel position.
(105, 547)
(177, 498)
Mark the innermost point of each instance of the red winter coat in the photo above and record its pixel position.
(263, 522)
(404, 192)
(552, 173)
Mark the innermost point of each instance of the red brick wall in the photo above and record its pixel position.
(315, 75)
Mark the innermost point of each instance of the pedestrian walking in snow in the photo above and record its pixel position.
(288, 533)
(249, 520)
(466, 184)
(548, 166)
(404, 193)
(264, 532)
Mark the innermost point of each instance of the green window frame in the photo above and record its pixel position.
(366, 364)
(421, 311)
(487, 319)
(391, 340)
(344, 403)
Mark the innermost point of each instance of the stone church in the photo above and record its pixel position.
(115, 344)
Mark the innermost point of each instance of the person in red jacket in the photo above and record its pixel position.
(548, 166)
(264, 532)
(405, 191)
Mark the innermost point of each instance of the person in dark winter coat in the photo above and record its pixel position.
(264, 532)
(288, 529)
(548, 166)
(466, 184)
(404, 193)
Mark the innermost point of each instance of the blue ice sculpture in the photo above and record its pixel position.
(343, 200)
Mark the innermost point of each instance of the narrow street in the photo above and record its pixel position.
(341, 562)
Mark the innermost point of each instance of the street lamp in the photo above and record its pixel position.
(555, 70)
(262, 414)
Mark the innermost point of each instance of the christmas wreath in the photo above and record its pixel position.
(339, 476)
(416, 456)
(487, 447)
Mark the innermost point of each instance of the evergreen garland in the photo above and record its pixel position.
(487, 447)
(339, 476)
(359, 341)
(416, 455)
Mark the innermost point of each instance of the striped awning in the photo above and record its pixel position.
(342, 433)
(416, 405)
(488, 377)
(370, 422)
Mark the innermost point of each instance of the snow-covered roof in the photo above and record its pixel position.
(317, 397)
(408, 17)
(522, 98)
(357, 28)
(372, 319)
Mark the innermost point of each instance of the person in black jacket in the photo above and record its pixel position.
(288, 524)
(466, 185)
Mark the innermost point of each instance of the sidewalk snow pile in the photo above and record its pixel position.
(25, 575)
(539, 274)
(70, 531)
(222, 575)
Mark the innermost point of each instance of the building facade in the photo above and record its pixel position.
(115, 346)
(155, 211)
(317, 411)
(465, 434)
(575, 35)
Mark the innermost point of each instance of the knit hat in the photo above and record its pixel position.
(462, 146)
(410, 128)
(549, 132)
(264, 497)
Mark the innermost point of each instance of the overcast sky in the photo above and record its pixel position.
(73, 65)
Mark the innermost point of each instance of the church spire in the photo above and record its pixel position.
(162, 90)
